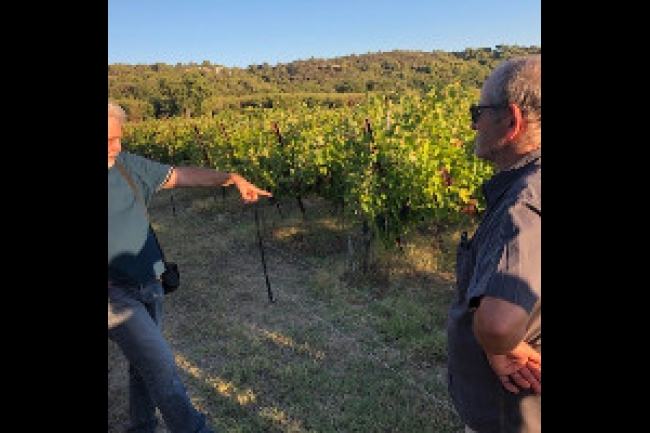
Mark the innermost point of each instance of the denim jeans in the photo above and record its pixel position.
(134, 324)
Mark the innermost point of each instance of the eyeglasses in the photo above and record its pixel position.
(476, 110)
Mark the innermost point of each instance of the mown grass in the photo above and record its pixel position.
(339, 349)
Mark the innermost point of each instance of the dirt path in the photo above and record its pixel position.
(312, 361)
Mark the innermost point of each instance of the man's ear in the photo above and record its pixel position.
(516, 121)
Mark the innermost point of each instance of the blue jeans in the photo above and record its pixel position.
(134, 324)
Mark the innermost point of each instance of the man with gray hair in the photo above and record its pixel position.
(494, 332)
(135, 291)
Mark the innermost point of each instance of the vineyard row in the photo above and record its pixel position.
(390, 163)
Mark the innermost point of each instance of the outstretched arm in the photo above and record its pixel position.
(187, 177)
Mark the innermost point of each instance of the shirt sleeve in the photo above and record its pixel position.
(148, 174)
(517, 262)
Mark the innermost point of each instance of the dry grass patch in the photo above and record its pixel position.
(338, 350)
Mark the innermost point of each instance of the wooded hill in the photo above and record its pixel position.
(162, 91)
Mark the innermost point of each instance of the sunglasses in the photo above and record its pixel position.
(476, 110)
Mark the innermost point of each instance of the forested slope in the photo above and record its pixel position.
(161, 90)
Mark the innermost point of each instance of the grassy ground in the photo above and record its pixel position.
(339, 349)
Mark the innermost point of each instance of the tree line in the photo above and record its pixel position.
(158, 91)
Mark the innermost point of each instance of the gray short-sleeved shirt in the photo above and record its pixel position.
(503, 260)
(133, 255)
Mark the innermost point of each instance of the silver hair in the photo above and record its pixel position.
(116, 111)
(519, 81)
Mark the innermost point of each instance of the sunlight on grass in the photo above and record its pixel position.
(242, 396)
(288, 342)
(280, 417)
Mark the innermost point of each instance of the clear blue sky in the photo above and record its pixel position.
(240, 33)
